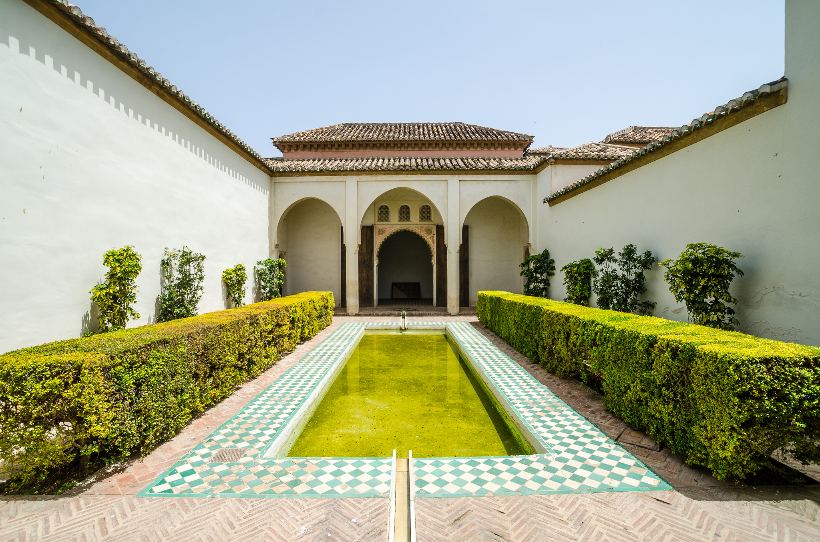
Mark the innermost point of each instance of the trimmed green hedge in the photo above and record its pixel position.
(69, 404)
(720, 399)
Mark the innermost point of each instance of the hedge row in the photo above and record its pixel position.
(69, 404)
(720, 399)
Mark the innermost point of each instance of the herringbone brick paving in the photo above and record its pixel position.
(701, 508)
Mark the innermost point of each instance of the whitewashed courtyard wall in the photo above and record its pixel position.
(754, 188)
(91, 160)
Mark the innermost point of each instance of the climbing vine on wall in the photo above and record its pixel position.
(701, 277)
(620, 281)
(270, 277)
(578, 281)
(537, 270)
(116, 295)
(234, 279)
(182, 275)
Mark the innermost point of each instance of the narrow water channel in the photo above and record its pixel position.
(407, 391)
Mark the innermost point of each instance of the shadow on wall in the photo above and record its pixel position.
(90, 322)
(118, 90)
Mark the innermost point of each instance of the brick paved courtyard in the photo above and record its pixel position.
(700, 507)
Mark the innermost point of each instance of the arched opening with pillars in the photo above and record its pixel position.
(495, 240)
(402, 256)
(309, 238)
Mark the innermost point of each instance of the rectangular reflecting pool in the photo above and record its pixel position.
(408, 391)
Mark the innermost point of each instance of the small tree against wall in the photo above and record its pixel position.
(537, 270)
(701, 277)
(270, 277)
(116, 295)
(578, 281)
(182, 275)
(235, 278)
(620, 280)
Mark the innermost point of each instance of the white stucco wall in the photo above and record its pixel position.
(753, 188)
(92, 160)
(497, 235)
(310, 236)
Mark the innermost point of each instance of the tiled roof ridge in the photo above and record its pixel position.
(746, 99)
(90, 27)
(378, 132)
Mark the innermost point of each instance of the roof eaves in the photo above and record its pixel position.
(765, 97)
(72, 19)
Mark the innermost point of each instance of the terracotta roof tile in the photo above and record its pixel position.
(639, 135)
(593, 151)
(733, 106)
(402, 131)
(394, 164)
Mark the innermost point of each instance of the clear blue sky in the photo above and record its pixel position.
(565, 71)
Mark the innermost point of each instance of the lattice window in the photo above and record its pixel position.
(383, 214)
(404, 213)
(425, 214)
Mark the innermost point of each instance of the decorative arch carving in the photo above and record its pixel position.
(426, 231)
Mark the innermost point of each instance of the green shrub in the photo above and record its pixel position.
(537, 270)
(578, 281)
(720, 399)
(116, 295)
(620, 282)
(270, 276)
(701, 277)
(182, 274)
(235, 278)
(106, 397)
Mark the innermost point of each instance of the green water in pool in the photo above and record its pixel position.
(407, 391)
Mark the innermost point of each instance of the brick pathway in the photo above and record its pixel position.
(701, 508)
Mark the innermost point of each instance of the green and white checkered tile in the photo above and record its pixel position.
(231, 462)
(579, 459)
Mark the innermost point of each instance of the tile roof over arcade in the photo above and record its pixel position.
(402, 131)
(527, 164)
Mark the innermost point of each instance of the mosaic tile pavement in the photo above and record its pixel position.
(578, 458)
(238, 458)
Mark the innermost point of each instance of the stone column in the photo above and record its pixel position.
(453, 235)
(352, 227)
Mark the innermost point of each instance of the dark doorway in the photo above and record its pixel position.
(405, 270)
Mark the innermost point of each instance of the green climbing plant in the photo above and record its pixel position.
(116, 295)
(537, 270)
(578, 281)
(700, 278)
(234, 279)
(269, 275)
(182, 275)
(620, 282)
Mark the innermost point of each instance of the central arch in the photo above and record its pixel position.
(405, 269)
(402, 217)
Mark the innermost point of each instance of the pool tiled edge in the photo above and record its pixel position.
(234, 460)
(578, 458)
(231, 461)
